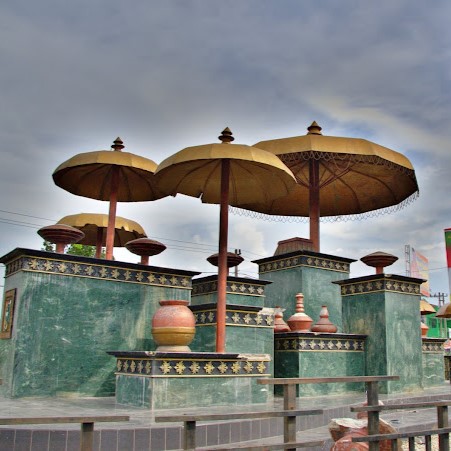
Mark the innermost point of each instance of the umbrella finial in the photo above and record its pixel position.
(314, 129)
(118, 144)
(226, 136)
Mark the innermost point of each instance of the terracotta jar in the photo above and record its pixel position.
(279, 324)
(324, 324)
(424, 329)
(300, 321)
(173, 326)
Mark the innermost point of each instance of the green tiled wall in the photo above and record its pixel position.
(63, 326)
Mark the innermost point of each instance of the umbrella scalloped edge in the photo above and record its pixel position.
(339, 218)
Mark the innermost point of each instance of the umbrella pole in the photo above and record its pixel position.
(314, 212)
(222, 258)
(99, 242)
(112, 213)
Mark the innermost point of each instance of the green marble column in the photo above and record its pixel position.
(386, 308)
(309, 273)
(249, 327)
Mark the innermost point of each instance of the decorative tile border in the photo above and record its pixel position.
(304, 260)
(319, 344)
(232, 287)
(382, 284)
(235, 318)
(96, 271)
(192, 367)
(433, 346)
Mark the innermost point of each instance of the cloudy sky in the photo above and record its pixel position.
(167, 75)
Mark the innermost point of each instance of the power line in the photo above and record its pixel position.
(20, 224)
(28, 216)
(53, 220)
(199, 247)
(437, 269)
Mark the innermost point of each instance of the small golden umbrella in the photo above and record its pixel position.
(444, 311)
(338, 176)
(426, 308)
(95, 225)
(114, 176)
(225, 174)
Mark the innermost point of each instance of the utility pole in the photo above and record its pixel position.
(440, 297)
(407, 259)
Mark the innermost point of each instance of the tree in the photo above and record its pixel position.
(48, 246)
(74, 249)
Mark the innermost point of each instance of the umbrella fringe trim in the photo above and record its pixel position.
(355, 158)
(339, 218)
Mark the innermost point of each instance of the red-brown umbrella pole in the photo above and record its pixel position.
(222, 260)
(112, 213)
(99, 242)
(314, 212)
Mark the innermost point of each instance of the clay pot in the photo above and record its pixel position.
(279, 324)
(300, 321)
(324, 325)
(424, 329)
(173, 326)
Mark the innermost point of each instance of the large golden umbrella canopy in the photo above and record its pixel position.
(95, 225)
(254, 175)
(225, 174)
(109, 175)
(338, 176)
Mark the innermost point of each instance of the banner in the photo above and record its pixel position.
(448, 256)
(419, 267)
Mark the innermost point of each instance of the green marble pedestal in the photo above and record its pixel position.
(433, 361)
(306, 272)
(171, 380)
(308, 354)
(386, 308)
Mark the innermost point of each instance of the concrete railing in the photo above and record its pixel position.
(288, 413)
(442, 429)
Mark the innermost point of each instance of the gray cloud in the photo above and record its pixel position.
(166, 75)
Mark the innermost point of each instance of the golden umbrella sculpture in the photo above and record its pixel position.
(225, 174)
(95, 225)
(444, 311)
(114, 176)
(338, 176)
(426, 308)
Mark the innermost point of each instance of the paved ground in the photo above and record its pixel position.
(141, 419)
